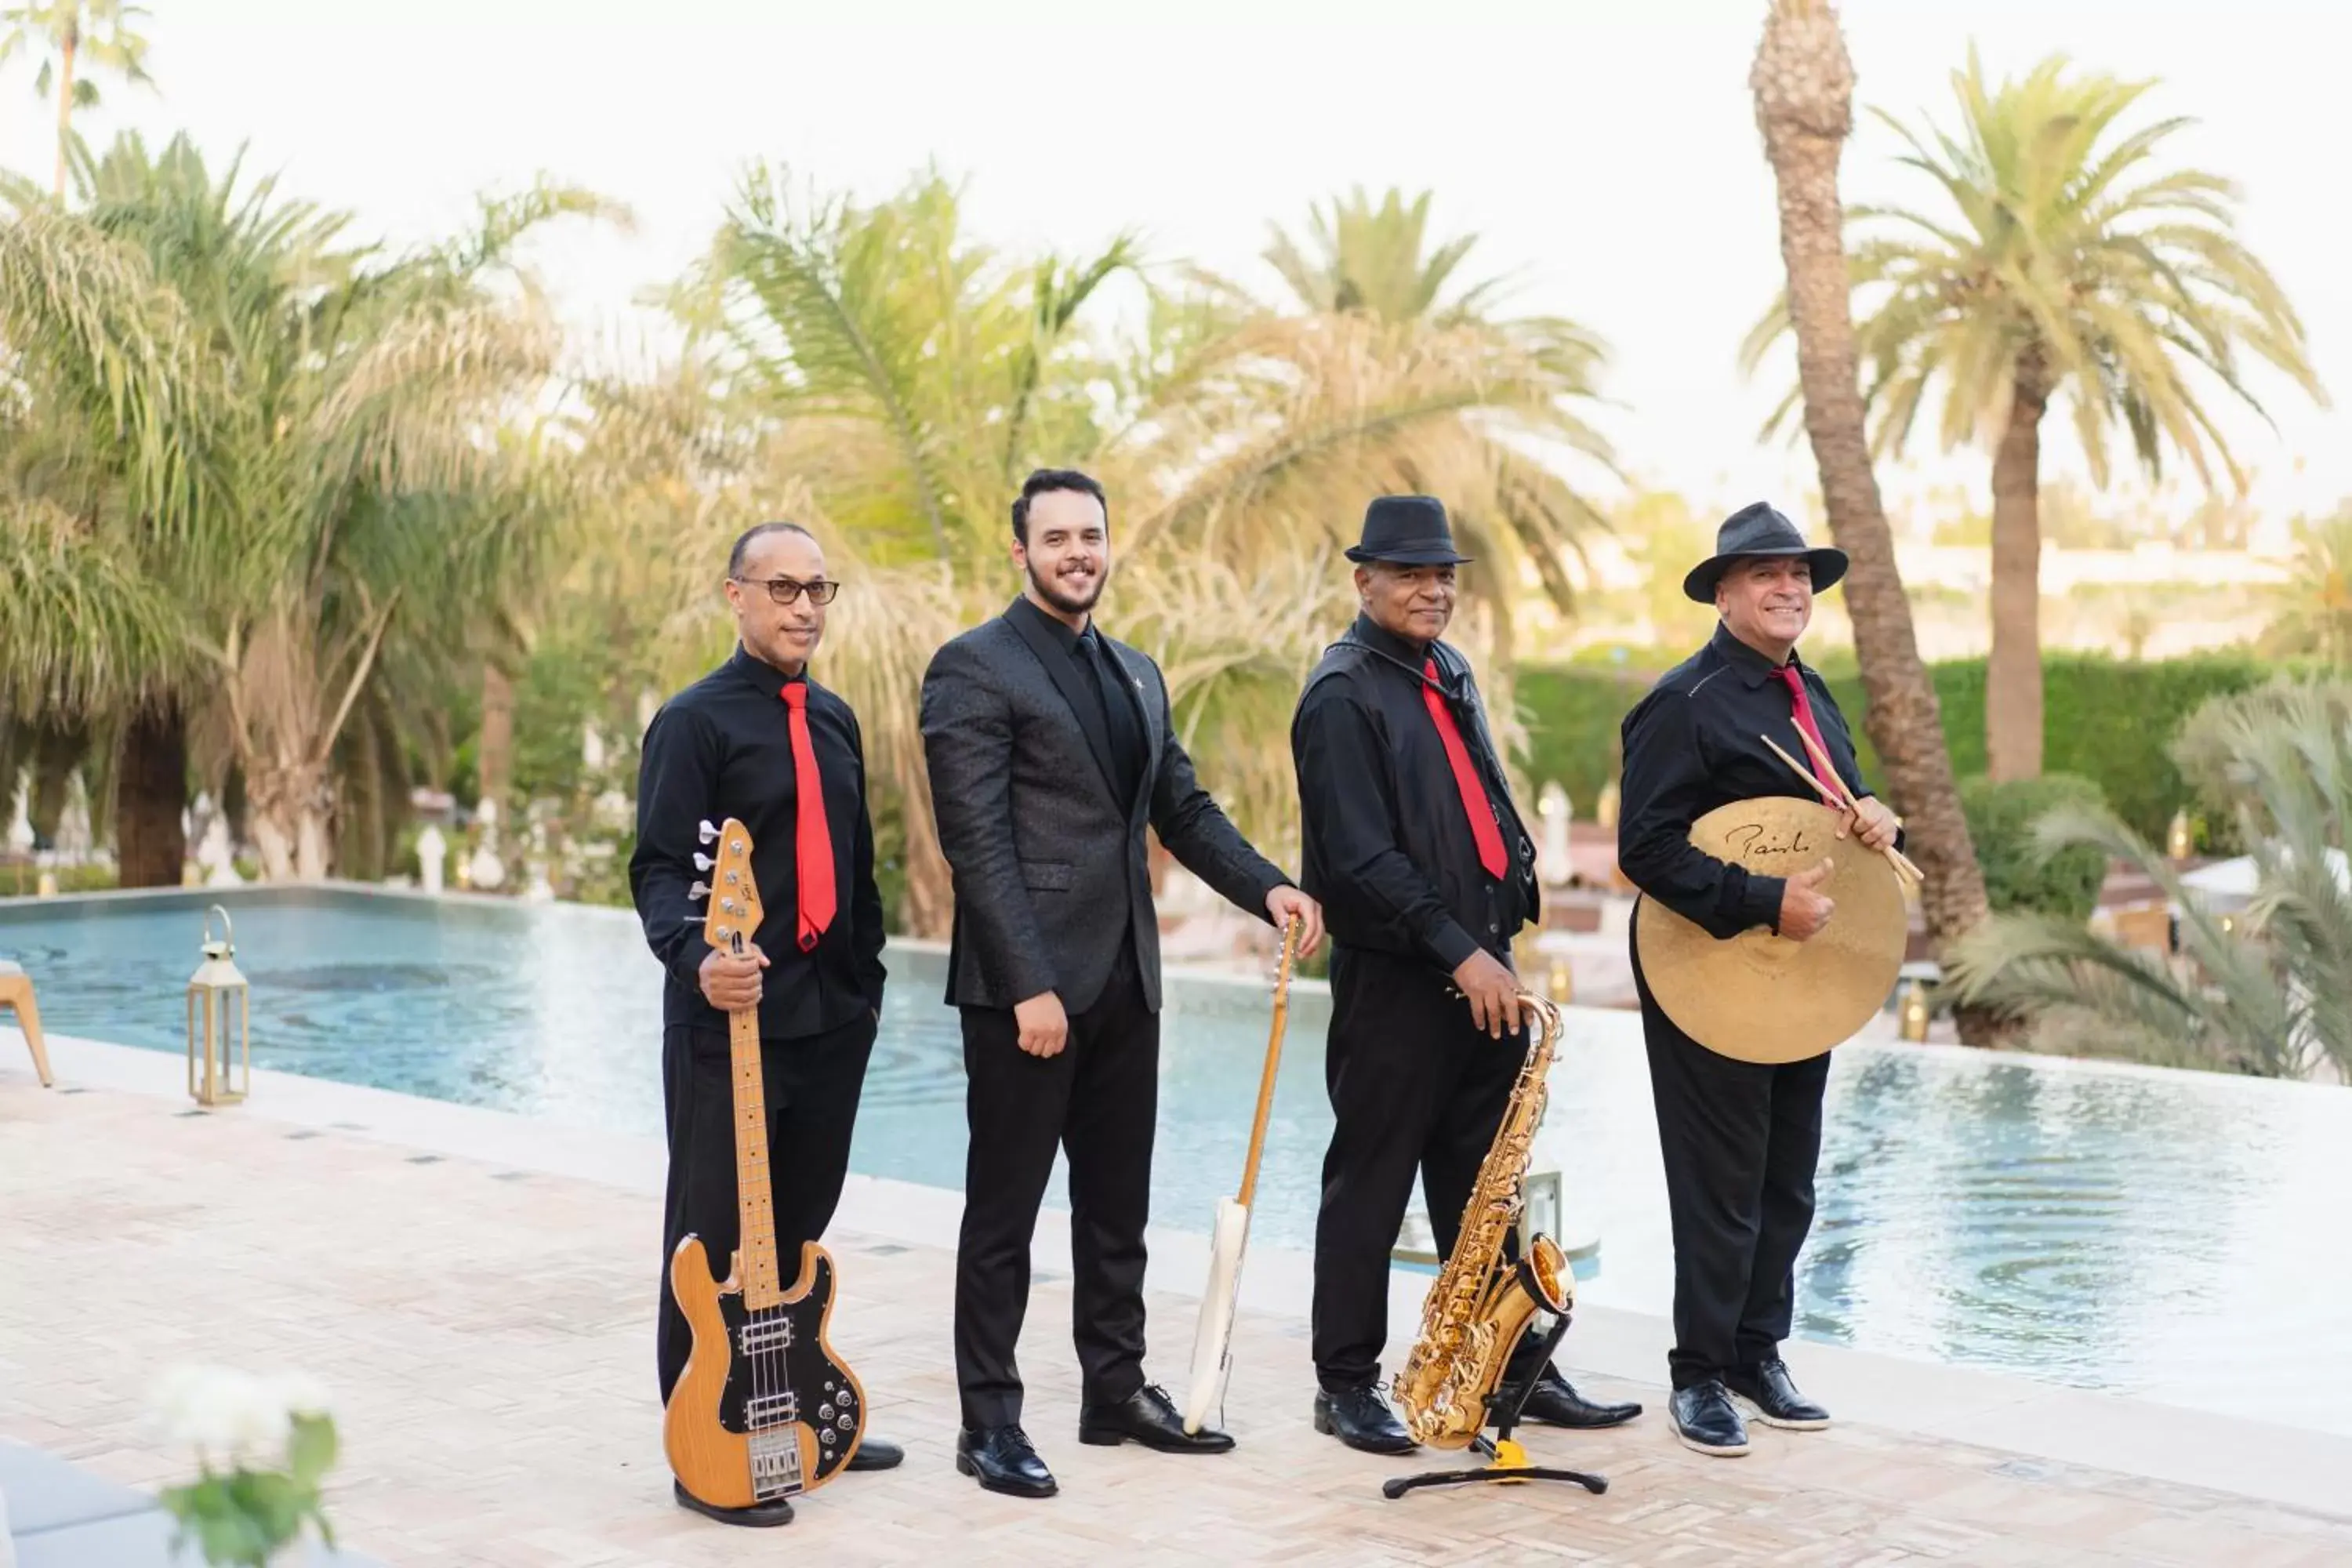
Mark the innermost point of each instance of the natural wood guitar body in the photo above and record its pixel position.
(703, 1430)
(765, 1409)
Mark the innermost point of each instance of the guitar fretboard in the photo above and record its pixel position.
(754, 1196)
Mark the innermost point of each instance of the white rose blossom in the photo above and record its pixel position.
(234, 1418)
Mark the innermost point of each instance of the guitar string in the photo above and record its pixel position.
(756, 1357)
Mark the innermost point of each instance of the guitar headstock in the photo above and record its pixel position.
(734, 897)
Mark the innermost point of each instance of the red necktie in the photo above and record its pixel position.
(1804, 706)
(811, 840)
(1475, 804)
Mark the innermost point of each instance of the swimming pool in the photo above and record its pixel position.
(2178, 1237)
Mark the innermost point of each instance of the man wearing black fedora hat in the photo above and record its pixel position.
(1425, 872)
(1739, 1139)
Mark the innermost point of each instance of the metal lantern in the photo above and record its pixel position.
(218, 1001)
(2177, 840)
(1914, 1012)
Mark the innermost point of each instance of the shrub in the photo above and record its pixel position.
(2018, 876)
(2107, 720)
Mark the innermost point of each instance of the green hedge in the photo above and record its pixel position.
(2107, 720)
(2001, 818)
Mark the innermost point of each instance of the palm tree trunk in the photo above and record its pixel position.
(64, 123)
(292, 805)
(58, 751)
(1803, 83)
(151, 792)
(494, 751)
(359, 849)
(2013, 673)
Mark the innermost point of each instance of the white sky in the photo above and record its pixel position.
(1603, 150)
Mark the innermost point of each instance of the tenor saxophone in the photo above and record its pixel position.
(1481, 1303)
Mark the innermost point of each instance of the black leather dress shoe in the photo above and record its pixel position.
(1360, 1418)
(1004, 1461)
(877, 1454)
(1706, 1420)
(1555, 1402)
(1768, 1389)
(1149, 1417)
(758, 1516)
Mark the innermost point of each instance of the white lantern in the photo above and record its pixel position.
(218, 1002)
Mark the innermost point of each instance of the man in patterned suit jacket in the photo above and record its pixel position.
(1051, 748)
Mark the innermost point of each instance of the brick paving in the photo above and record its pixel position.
(486, 1333)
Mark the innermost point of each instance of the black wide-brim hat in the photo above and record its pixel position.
(1757, 530)
(1407, 531)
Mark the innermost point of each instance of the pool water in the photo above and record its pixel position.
(2174, 1236)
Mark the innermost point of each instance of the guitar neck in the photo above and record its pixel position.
(754, 1196)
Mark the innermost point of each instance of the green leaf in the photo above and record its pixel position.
(312, 1448)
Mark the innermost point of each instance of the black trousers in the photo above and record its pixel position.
(812, 1085)
(1740, 1140)
(1416, 1088)
(1098, 1100)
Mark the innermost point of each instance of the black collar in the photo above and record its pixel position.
(1064, 635)
(1752, 666)
(759, 673)
(1403, 652)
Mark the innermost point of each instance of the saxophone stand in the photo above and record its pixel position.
(1508, 1464)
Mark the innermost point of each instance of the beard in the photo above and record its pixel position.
(1050, 589)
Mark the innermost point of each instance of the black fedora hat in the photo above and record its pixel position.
(1407, 531)
(1757, 530)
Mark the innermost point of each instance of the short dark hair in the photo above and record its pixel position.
(760, 530)
(1045, 479)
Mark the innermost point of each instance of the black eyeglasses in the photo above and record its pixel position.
(784, 590)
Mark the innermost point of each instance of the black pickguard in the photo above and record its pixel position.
(826, 1396)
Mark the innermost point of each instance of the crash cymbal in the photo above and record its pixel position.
(1758, 997)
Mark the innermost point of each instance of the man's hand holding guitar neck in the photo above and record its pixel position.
(731, 981)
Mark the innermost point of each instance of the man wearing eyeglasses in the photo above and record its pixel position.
(759, 741)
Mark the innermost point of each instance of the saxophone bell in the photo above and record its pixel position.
(1544, 1275)
(1480, 1306)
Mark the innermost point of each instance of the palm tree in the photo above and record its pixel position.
(2313, 605)
(2267, 991)
(106, 362)
(2072, 267)
(1803, 84)
(887, 378)
(70, 36)
(1376, 260)
(1368, 263)
(336, 480)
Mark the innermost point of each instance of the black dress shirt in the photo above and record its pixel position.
(723, 748)
(1388, 850)
(1120, 726)
(1695, 742)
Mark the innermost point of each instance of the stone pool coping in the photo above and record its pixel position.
(2276, 1463)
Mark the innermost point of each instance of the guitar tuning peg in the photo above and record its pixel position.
(703, 862)
(699, 890)
(708, 831)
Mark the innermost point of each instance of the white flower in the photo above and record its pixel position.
(232, 1417)
(299, 1394)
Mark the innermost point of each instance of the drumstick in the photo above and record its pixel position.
(1840, 800)
(1822, 761)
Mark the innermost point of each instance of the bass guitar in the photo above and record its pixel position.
(765, 1409)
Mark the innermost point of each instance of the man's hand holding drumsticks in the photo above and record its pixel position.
(1867, 817)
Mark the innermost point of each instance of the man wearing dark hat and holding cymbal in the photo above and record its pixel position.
(1425, 873)
(1740, 1138)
